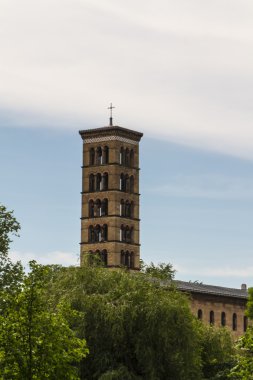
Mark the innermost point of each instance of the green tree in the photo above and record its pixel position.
(36, 341)
(249, 311)
(132, 325)
(161, 271)
(217, 351)
(10, 273)
(8, 226)
(243, 369)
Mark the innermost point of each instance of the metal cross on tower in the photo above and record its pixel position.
(110, 108)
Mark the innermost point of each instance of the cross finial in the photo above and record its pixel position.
(110, 108)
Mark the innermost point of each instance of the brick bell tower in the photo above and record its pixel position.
(110, 224)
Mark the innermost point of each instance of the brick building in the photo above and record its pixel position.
(217, 305)
(110, 221)
(110, 224)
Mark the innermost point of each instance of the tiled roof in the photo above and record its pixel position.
(194, 287)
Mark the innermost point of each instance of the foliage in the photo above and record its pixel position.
(10, 273)
(161, 271)
(131, 324)
(137, 325)
(249, 311)
(118, 374)
(217, 351)
(243, 369)
(36, 341)
(8, 226)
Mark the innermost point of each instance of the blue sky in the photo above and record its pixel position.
(196, 205)
(179, 71)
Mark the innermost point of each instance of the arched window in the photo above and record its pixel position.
(200, 314)
(122, 258)
(122, 231)
(105, 232)
(132, 158)
(211, 317)
(128, 209)
(98, 233)
(245, 323)
(234, 322)
(132, 210)
(106, 155)
(98, 207)
(91, 183)
(132, 260)
(105, 181)
(131, 235)
(122, 183)
(91, 208)
(122, 207)
(91, 236)
(97, 255)
(127, 234)
(223, 319)
(127, 259)
(127, 157)
(131, 184)
(122, 156)
(98, 182)
(92, 156)
(99, 156)
(127, 184)
(104, 207)
(104, 257)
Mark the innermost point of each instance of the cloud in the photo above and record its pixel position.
(206, 187)
(176, 70)
(55, 257)
(222, 272)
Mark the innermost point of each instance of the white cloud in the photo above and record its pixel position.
(175, 69)
(55, 257)
(222, 272)
(207, 186)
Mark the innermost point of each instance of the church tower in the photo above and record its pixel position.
(110, 224)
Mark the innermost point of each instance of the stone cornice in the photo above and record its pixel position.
(110, 133)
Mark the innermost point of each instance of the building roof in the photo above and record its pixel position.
(111, 130)
(195, 287)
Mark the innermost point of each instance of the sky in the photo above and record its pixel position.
(180, 72)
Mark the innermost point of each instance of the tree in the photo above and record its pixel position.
(10, 273)
(161, 271)
(8, 226)
(217, 351)
(132, 325)
(36, 341)
(243, 369)
(249, 311)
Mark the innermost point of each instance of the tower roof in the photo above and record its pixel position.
(111, 131)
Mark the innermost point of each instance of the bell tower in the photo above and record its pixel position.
(110, 224)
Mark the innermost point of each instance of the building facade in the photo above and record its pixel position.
(110, 224)
(217, 305)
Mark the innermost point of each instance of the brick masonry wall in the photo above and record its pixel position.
(114, 220)
(219, 304)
